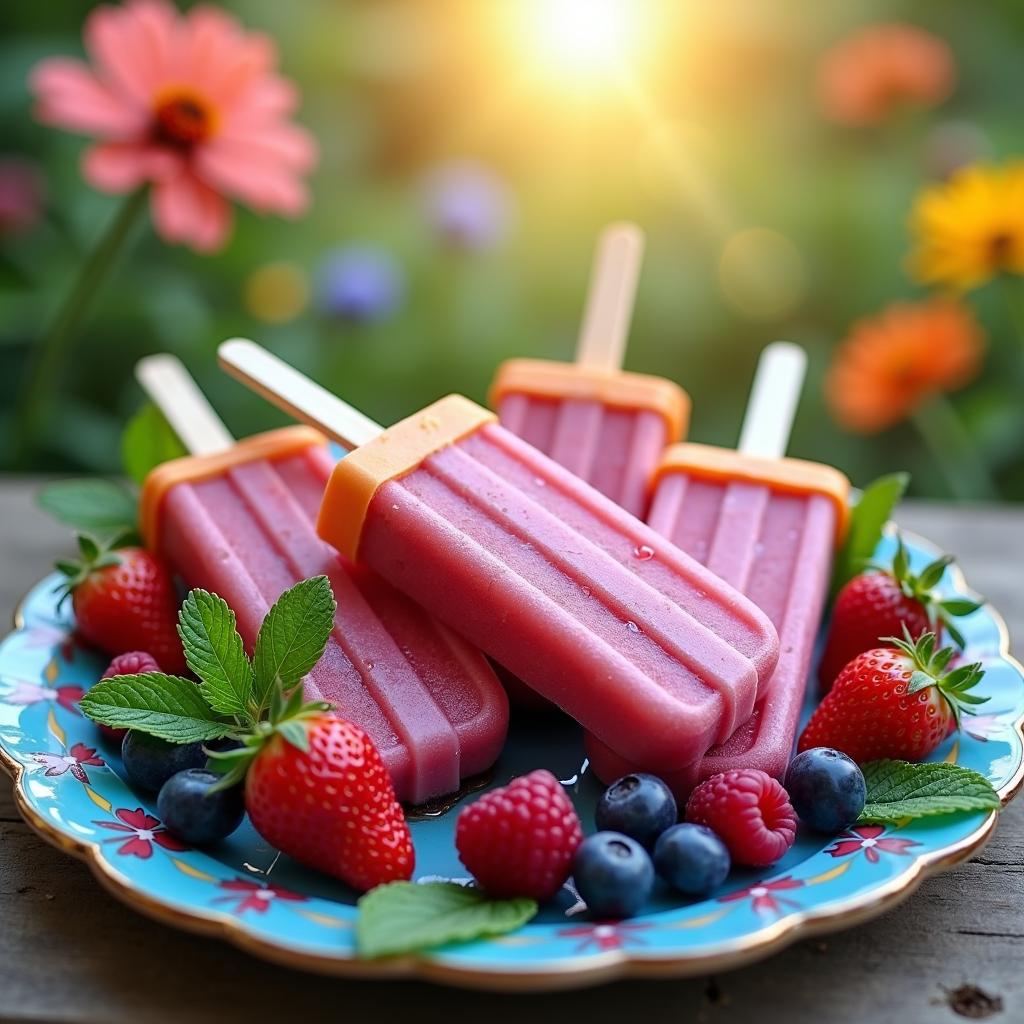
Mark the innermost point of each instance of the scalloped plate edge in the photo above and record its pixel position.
(594, 970)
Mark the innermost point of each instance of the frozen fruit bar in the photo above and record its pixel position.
(239, 520)
(583, 602)
(769, 526)
(607, 426)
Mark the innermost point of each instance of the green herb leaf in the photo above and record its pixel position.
(148, 441)
(959, 606)
(293, 637)
(99, 506)
(871, 513)
(170, 707)
(214, 651)
(899, 789)
(403, 917)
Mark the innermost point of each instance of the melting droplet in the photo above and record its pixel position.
(644, 552)
(632, 626)
(586, 591)
(396, 507)
(540, 481)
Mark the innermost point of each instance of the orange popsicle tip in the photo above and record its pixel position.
(788, 476)
(396, 452)
(542, 378)
(273, 445)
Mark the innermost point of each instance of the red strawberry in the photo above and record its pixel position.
(520, 840)
(329, 802)
(881, 603)
(125, 600)
(897, 701)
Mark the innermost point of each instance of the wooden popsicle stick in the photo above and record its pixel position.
(609, 310)
(173, 391)
(773, 400)
(295, 393)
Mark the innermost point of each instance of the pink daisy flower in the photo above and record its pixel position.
(188, 103)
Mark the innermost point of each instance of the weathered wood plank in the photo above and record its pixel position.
(69, 951)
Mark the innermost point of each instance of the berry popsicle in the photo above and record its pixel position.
(239, 519)
(606, 426)
(768, 525)
(584, 603)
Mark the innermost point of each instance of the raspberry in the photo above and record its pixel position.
(751, 813)
(131, 664)
(520, 840)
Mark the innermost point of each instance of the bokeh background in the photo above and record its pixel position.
(471, 151)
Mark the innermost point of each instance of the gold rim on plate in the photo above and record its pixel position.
(597, 969)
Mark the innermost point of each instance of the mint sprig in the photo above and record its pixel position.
(867, 522)
(214, 652)
(404, 917)
(147, 441)
(98, 507)
(225, 702)
(170, 707)
(899, 790)
(287, 647)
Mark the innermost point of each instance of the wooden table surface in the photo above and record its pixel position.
(71, 952)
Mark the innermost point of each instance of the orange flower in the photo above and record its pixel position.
(890, 364)
(880, 67)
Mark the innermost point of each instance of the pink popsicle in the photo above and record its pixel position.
(580, 600)
(605, 426)
(240, 521)
(769, 527)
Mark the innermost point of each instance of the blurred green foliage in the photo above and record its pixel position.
(722, 136)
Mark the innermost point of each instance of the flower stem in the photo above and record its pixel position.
(1014, 301)
(46, 356)
(954, 451)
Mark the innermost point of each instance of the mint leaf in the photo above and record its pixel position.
(293, 636)
(403, 917)
(170, 707)
(147, 441)
(872, 511)
(214, 651)
(97, 506)
(899, 789)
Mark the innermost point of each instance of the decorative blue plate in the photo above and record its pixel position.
(68, 787)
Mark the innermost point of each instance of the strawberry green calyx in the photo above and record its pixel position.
(93, 555)
(921, 587)
(929, 669)
(287, 718)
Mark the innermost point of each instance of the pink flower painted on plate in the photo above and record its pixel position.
(188, 103)
(604, 936)
(872, 839)
(764, 898)
(139, 832)
(74, 761)
(248, 895)
(25, 694)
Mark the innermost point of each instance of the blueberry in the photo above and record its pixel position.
(149, 762)
(826, 789)
(692, 859)
(613, 875)
(188, 808)
(639, 806)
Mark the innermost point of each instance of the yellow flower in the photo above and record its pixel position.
(970, 228)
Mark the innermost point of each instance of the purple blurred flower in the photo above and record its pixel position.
(360, 283)
(21, 195)
(468, 205)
